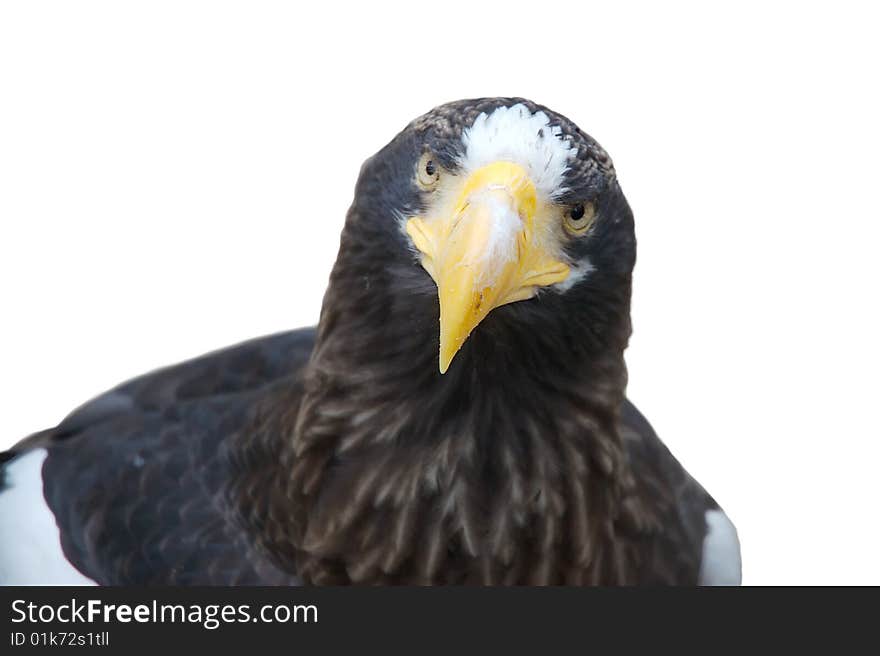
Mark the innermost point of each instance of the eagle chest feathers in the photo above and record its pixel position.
(488, 498)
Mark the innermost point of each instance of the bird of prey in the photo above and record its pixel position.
(458, 415)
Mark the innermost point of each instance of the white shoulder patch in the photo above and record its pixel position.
(721, 563)
(516, 135)
(30, 543)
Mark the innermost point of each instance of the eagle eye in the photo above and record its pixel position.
(579, 217)
(428, 172)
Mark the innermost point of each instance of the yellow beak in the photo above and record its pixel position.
(491, 249)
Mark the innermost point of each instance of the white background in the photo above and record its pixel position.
(174, 176)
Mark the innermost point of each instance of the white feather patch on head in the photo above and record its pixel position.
(517, 135)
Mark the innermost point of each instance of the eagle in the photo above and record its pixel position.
(457, 416)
